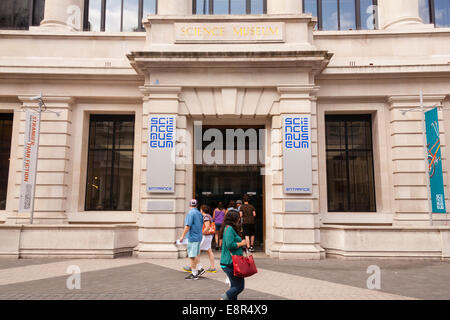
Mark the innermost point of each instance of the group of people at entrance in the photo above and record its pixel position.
(229, 227)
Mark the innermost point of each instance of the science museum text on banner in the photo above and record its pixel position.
(161, 154)
(297, 154)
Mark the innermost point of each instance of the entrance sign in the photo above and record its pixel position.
(161, 154)
(435, 161)
(246, 32)
(297, 154)
(29, 167)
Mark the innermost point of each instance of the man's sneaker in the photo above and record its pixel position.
(191, 277)
(201, 272)
(212, 270)
(251, 249)
(187, 269)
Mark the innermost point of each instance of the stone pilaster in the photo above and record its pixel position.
(411, 205)
(63, 14)
(284, 7)
(53, 162)
(400, 14)
(175, 7)
(296, 217)
(161, 214)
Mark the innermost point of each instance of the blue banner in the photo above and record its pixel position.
(435, 161)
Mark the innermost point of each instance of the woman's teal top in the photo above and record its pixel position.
(229, 243)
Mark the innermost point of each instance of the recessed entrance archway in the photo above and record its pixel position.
(224, 181)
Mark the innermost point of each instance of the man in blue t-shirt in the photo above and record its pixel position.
(193, 229)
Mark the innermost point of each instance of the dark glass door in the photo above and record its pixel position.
(225, 183)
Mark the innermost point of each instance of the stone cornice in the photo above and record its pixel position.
(53, 100)
(412, 101)
(310, 59)
(161, 92)
(298, 89)
(229, 18)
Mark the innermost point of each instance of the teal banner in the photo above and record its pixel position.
(435, 161)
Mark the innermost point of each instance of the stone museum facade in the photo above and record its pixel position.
(121, 80)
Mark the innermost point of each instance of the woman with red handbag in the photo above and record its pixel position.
(231, 246)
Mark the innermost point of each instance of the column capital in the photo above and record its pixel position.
(297, 92)
(296, 99)
(50, 101)
(161, 92)
(161, 99)
(413, 101)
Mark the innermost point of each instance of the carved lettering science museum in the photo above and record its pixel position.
(332, 116)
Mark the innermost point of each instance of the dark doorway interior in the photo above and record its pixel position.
(214, 183)
(222, 183)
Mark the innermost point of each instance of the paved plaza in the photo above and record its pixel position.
(160, 279)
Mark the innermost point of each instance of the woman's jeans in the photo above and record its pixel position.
(237, 284)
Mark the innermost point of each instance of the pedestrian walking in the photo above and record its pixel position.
(248, 214)
(232, 245)
(193, 232)
(218, 217)
(207, 237)
(238, 204)
(231, 206)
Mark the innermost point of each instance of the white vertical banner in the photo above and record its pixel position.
(29, 168)
(161, 154)
(297, 154)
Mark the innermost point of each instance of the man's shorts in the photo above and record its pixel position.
(248, 229)
(193, 249)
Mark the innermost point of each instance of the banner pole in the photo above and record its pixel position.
(37, 159)
(424, 136)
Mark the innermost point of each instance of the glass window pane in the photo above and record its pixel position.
(38, 12)
(102, 132)
(350, 172)
(6, 14)
(6, 123)
(122, 183)
(361, 181)
(359, 135)
(220, 6)
(335, 135)
(202, 7)
(149, 7)
(442, 13)
(21, 14)
(98, 189)
(424, 8)
(329, 15)
(110, 163)
(257, 6)
(337, 181)
(113, 15)
(311, 7)
(94, 15)
(130, 15)
(238, 7)
(124, 132)
(368, 15)
(347, 15)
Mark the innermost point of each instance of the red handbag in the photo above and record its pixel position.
(244, 266)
